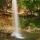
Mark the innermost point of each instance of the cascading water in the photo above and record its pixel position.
(16, 19)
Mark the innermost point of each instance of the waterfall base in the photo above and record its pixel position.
(17, 35)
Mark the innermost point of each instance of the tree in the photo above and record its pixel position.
(30, 4)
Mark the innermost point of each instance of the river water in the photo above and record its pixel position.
(28, 36)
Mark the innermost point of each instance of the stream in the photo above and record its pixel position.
(27, 36)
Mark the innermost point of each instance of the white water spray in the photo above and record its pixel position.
(16, 19)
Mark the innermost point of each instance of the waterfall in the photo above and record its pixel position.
(15, 33)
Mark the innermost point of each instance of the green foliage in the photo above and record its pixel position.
(36, 22)
(29, 4)
(32, 5)
(2, 3)
(21, 3)
(25, 22)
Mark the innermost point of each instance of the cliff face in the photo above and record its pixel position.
(5, 23)
(6, 16)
